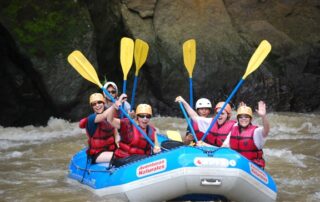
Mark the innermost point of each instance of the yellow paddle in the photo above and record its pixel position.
(258, 57)
(174, 135)
(255, 61)
(189, 59)
(141, 50)
(79, 62)
(126, 55)
(126, 58)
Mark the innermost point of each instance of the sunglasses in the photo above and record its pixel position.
(95, 103)
(243, 117)
(144, 116)
(112, 91)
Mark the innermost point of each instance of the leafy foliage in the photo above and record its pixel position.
(45, 27)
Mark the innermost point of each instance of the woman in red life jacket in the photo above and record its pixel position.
(220, 129)
(132, 141)
(247, 138)
(101, 141)
(203, 109)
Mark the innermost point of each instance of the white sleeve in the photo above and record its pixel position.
(203, 123)
(226, 142)
(258, 138)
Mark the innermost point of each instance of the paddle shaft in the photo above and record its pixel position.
(130, 119)
(190, 93)
(135, 82)
(222, 108)
(124, 90)
(188, 121)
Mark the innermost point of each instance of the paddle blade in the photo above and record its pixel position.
(258, 57)
(80, 63)
(126, 55)
(141, 49)
(174, 135)
(189, 55)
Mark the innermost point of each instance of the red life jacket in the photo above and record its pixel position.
(244, 144)
(103, 138)
(83, 122)
(117, 114)
(217, 134)
(136, 143)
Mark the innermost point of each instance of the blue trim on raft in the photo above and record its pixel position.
(98, 176)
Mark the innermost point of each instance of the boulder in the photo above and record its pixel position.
(38, 82)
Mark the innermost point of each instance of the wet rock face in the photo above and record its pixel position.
(227, 33)
(37, 82)
(36, 39)
(23, 101)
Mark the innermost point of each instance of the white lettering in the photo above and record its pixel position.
(211, 162)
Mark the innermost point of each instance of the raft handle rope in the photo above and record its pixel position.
(89, 170)
(84, 173)
(210, 152)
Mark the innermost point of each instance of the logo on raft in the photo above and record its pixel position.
(213, 162)
(152, 167)
(258, 173)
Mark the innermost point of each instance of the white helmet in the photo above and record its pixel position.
(203, 103)
(110, 83)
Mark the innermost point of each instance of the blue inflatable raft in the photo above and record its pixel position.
(184, 173)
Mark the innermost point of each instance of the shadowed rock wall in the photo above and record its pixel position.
(37, 39)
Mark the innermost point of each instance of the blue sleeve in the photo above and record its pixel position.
(91, 125)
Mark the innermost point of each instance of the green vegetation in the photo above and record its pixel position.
(45, 27)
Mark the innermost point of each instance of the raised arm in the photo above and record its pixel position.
(189, 110)
(263, 114)
(102, 117)
(110, 112)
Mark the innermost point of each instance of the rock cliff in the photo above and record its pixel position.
(36, 38)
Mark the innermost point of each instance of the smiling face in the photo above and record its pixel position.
(244, 120)
(98, 107)
(112, 91)
(203, 112)
(143, 120)
(97, 102)
(244, 116)
(222, 118)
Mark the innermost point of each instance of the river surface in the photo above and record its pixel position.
(34, 160)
